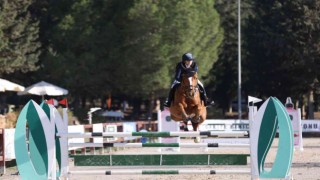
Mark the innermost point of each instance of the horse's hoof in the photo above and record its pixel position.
(186, 129)
(197, 139)
(196, 120)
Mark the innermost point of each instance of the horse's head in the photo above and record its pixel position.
(190, 83)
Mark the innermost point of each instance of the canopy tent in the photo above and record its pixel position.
(6, 85)
(112, 114)
(43, 88)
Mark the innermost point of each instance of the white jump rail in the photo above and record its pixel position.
(139, 145)
(155, 134)
(158, 171)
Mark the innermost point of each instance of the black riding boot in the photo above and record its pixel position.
(203, 96)
(170, 97)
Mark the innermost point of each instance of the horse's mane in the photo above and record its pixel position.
(190, 72)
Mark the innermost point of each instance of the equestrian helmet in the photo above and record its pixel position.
(187, 57)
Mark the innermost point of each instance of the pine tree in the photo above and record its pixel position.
(283, 41)
(157, 33)
(19, 32)
(224, 74)
(126, 46)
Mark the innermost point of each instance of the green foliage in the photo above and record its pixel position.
(19, 33)
(128, 47)
(81, 114)
(157, 33)
(280, 46)
(80, 43)
(283, 44)
(224, 74)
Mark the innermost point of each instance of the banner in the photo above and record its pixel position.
(311, 126)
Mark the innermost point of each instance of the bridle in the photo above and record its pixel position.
(190, 91)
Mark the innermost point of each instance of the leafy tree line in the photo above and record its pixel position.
(280, 50)
(287, 57)
(19, 33)
(224, 74)
(128, 48)
(124, 48)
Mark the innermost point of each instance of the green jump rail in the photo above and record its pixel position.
(160, 160)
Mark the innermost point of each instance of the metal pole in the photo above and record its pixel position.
(239, 60)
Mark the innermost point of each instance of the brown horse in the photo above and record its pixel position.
(187, 104)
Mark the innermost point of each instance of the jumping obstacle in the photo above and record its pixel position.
(44, 142)
(160, 160)
(137, 145)
(155, 134)
(148, 172)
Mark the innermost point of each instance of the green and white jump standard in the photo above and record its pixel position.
(49, 141)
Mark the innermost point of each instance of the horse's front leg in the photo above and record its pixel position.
(195, 121)
(185, 116)
(195, 126)
(185, 122)
(183, 112)
(196, 117)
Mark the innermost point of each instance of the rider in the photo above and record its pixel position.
(187, 63)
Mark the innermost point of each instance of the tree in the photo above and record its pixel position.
(19, 33)
(127, 47)
(157, 33)
(224, 74)
(283, 44)
(81, 40)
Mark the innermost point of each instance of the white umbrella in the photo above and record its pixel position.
(43, 88)
(6, 85)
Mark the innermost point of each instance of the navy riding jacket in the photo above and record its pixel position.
(181, 69)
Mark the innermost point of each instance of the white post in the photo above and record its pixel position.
(300, 130)
(253, 144)
(64, 148)
(90, 113)
(159, 123)
(53, 167)
(54, 164)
